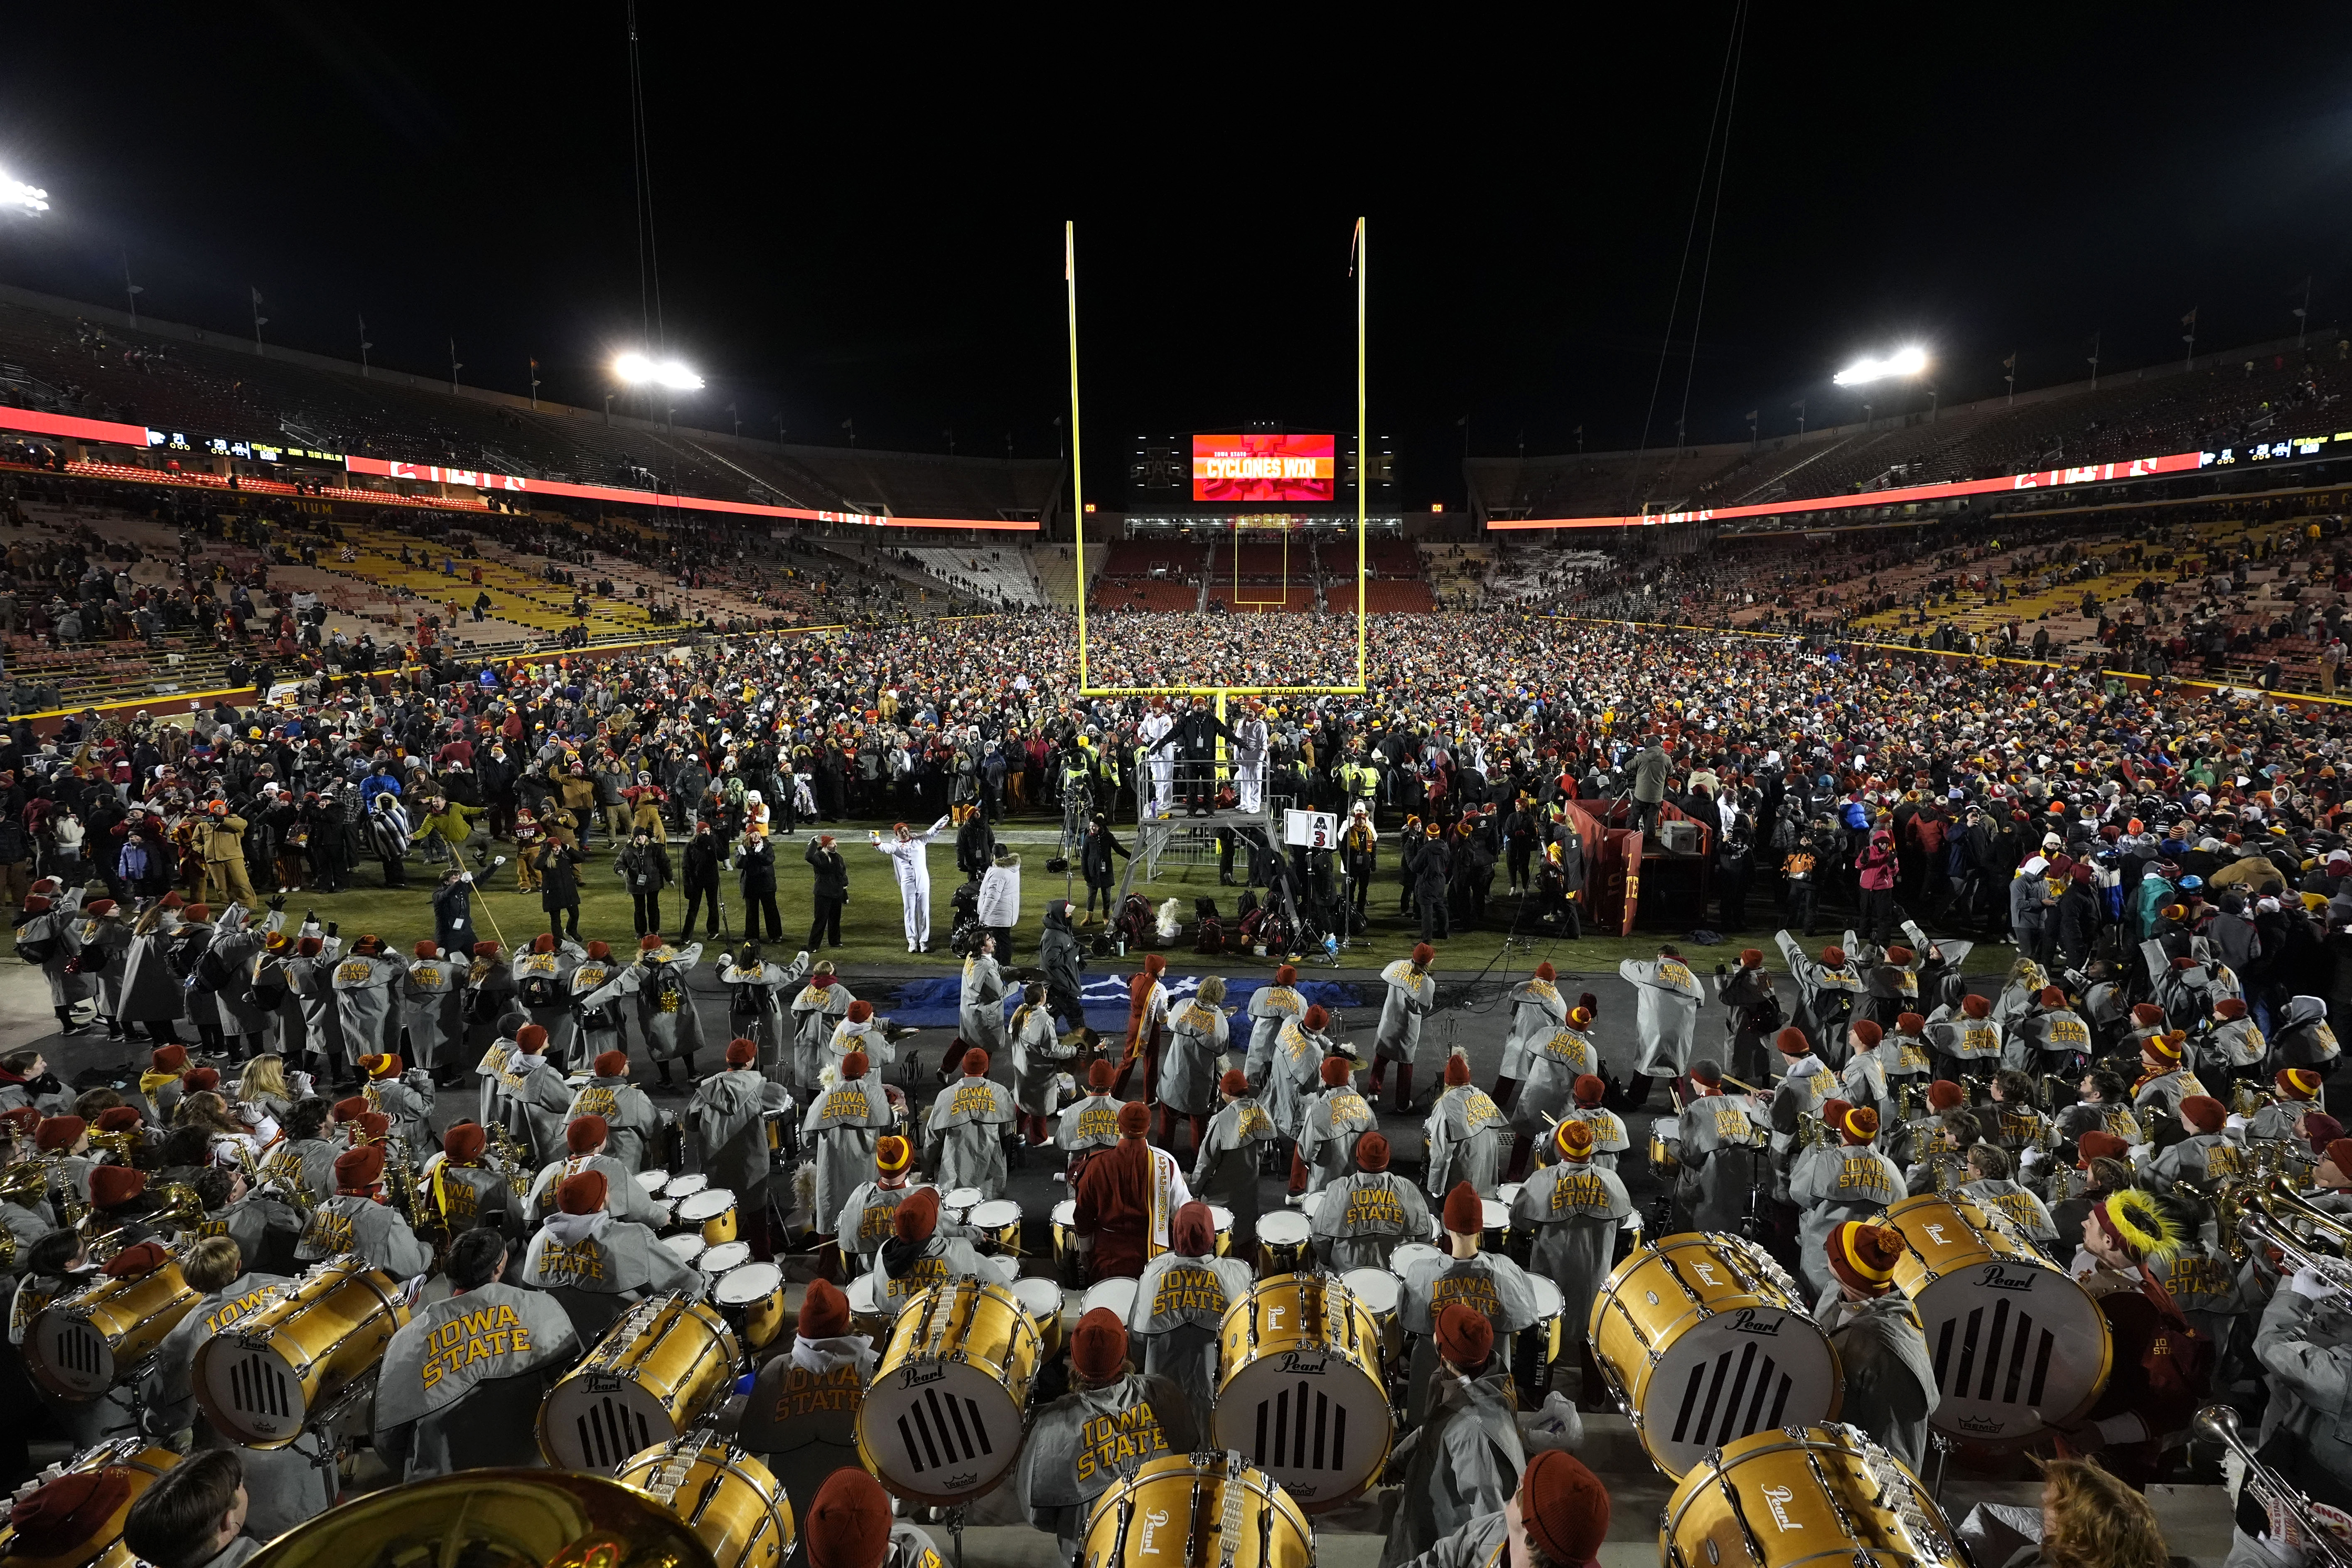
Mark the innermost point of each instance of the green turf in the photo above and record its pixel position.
(872, 933)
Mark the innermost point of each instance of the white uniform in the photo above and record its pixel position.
(912, 860)
(1249, 762)
(1154, 730)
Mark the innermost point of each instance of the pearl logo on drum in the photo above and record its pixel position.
(1306, 1363)
(1997, 1278)
(1153, 1522)
(1746, 1321)
(1779, 1498)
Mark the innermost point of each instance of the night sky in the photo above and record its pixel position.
(861, 221)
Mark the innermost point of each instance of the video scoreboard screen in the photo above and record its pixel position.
(1264, 467)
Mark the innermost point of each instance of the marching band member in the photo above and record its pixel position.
(1609, 1139)
(1179, 1306)
(1557, 1518)
(119, 1202)
(2160, 1367)
(64, 1141)
(1716, 1144)
(2304, 1345)
(587, 1147)
(1226, 1171)
(1573, 1210)
(302, 1164)
(2298, 1091)
(596, 1266)
(1494, 1286)
(2164, 1079)
(1146, 1024)
(358, 1219)
(534, 1096)
(1125, 1199)
(859, 1030)
(1806, 1083)
(288, 1485)
(1335, 1120)
(2049, 1037)
(366, 1002)
(666, 1017)
(1038, 1057)
(1966, 1044)
(917, 1256)
(159, 1086)
(2105, 1106)
(1198, 1038)
(1464, 1133)
(862, 1224)
(1743, 993)
(849, 1526)
(1270, 1007)
(596, 1029)
(729, 1111)
(964, 1129)
(462, 1192)
(2210, 1151)
(1411, 996)
(2303, 1037)
(196, 1515)
(2234, 1048)
(1939, 1152)
(755, 1009)
(1461, 1461)
(541, 976)
(1089, 1124)
(2089, 1517)
(1112, 1421)
(980, 1007)
(1827, 990)
(2012, 1121)
(1665, 1019)
(1551, 1063)
(462, 1380)
(1835, 1183)
(1991, 1186)
(1890, 1385)
(405, 1095)
(433, 1008)
(2101, 1159)
(801, 1417)
(631, 1122)
(1366, 1216)
(1536, 1009)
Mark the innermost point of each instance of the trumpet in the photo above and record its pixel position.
(2261, 1232)
(2282, 1203)
(2305, 1527)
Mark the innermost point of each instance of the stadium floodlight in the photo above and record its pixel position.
(1903, 361)
(637, 368)
(18, 196)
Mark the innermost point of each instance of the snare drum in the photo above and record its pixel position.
(1221, 1219)
(711, 1212)
(1702, 1339)
(1042, 1300)
(1235, 1518)
(779, 1127)
(1302, 1393)
(259, 1379)
(1829, 1493)
(751, 1297)
(1409, 1256)
(79, 1344)
(1536, 1346)
(657, 1371)
(1310, 1204)
(1494, 1227)
(1662, 1159)
(687, 1246)
(999, 1223)
(142, 1466)
(729, 1500)
(956, 1203)
(686, 1186)
(865, 1317)
(941, 1421)
(1065, 1228)
(1380, 1291)
(2017, 1345)
(655, 1184)
(1282, 1245)
(717, 1260)
(1000, 1270)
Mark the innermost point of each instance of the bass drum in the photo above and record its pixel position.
(139, 1464)
(77, 1347)
(1811, 1494)
(2016, 1344)
(726, 1497)
(1702, 1339)
(262, 1378)
(1302, 1395)
(655, 1373)
(1195, 1512)
(942, 1418)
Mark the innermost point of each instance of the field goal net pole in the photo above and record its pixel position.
(1219, 694)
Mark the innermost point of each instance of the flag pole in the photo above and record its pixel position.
(1077, 446)
(1363, 459)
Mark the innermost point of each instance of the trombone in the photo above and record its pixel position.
(2284, 1204)
(2261, 1232)
(2305, 1528)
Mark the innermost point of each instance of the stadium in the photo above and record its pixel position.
(610, 965)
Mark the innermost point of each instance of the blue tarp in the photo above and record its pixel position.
(932, 1004)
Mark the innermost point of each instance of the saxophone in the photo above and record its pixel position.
(518, 1172)
(400, 1180)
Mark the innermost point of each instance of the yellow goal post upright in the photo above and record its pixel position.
(1087, 688)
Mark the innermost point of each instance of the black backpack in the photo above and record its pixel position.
(38, 950)
(185, 956)
(542, 992)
